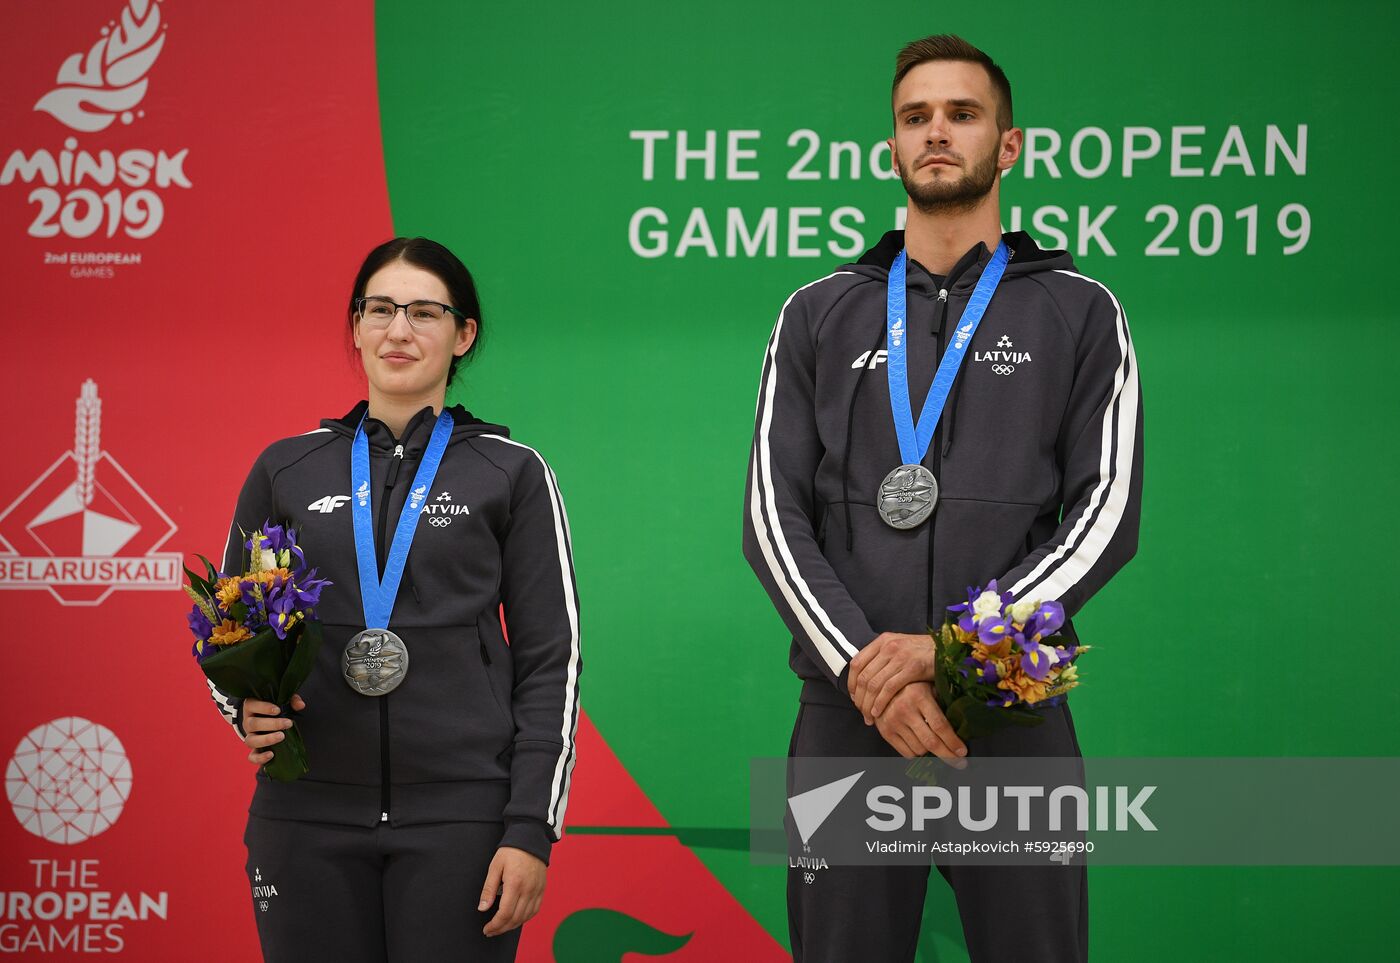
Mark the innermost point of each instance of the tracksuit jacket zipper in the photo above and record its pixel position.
(945, 423)
(936, 451)
(382, 551)
(936, 447)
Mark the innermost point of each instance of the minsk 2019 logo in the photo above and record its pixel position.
(83, 192)
(84, 528)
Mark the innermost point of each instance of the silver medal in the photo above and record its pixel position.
(374, 662)
(907, 496)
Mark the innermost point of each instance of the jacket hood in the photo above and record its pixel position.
(1026, 258)
(419, 428)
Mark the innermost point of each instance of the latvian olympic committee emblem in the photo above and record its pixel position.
(84, 528)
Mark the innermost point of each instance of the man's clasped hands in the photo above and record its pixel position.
(891, 683)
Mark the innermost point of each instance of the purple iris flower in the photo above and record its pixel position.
(1045, 621)
(992, 631)
(965, 620)
(200, 624)
(985, 671)
(276, 538)
(257, 614)
(1038, 660)
(1002, 699)
(972, 594)
(248, 591)
(281, 606)
(308, 588)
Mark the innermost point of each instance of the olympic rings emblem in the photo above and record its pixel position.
(1003, 369)
(440, 521)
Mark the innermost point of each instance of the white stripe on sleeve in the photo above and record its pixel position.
(827, 639)
(1086, 543)
(564, 765)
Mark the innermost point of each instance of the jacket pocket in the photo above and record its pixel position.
(498, 662)
(882, 569)
(445, 720)
(977, 541)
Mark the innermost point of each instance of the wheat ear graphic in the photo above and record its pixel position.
(109, 80)
(87, 436)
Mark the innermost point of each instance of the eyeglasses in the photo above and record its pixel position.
(378, 313)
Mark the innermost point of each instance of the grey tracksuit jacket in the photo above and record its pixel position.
(481, 728)
(1038, 454)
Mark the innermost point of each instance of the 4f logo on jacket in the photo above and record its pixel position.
(327, 503)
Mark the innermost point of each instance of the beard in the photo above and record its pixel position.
(941, 196)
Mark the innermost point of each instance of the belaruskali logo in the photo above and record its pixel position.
(84, 528)
(85, 192)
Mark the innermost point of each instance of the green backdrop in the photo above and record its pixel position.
(1269, 505)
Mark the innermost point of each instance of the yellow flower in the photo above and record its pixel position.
(268, 575)
(228, 632)
(228, 591)
(1026, 688)
(987, 652)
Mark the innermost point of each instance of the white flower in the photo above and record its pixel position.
(1023, 610)
(264, 560)
(987, 605)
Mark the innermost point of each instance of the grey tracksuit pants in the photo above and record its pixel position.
(1024, 913)
(348, 894)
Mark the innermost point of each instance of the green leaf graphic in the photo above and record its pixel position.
(604, 935)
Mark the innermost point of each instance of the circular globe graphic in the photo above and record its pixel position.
(68, 780)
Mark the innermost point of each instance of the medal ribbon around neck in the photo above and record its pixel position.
(915, 439)
(378, 597)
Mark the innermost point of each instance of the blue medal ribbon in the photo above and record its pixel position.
(915, 439)
(378, 596)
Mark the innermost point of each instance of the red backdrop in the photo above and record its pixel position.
(152, 355)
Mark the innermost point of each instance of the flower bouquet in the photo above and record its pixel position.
(256, 636)
(998, 659)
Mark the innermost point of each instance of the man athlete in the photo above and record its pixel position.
(863, 529)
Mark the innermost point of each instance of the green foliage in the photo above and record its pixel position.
(271, 669)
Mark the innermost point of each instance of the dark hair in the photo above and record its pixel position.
(436, 260)
(947, 46)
